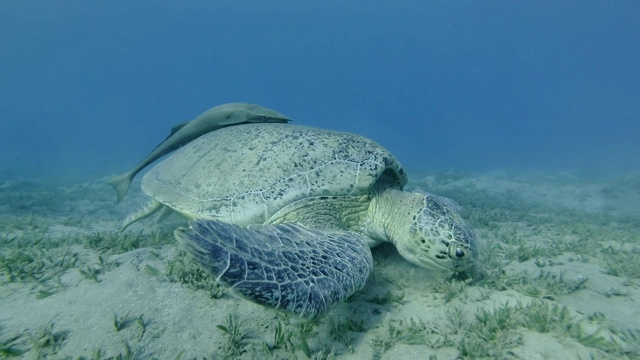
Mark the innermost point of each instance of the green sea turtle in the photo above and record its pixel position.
(212, 119)
(285, 215)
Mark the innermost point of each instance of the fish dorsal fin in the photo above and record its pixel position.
(174, 130)
(177, 128)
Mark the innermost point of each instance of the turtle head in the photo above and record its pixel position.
(437, 237)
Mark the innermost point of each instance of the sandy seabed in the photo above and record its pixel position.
(558, 278)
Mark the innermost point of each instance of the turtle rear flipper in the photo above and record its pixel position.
(286, 266)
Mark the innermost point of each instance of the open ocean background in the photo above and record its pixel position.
(525, 113)
(89, 88)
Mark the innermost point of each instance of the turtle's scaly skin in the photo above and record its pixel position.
(287, 266)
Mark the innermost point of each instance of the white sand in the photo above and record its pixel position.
(180, 320)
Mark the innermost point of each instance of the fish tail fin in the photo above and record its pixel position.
(121, 184)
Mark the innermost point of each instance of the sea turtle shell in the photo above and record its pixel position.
(245, 174)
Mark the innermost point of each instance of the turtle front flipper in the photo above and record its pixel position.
(286, 266)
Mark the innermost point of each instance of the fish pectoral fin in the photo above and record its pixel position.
(149, 209)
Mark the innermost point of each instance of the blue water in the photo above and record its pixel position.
(87, 89)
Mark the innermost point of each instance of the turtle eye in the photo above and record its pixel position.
(459, 253)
